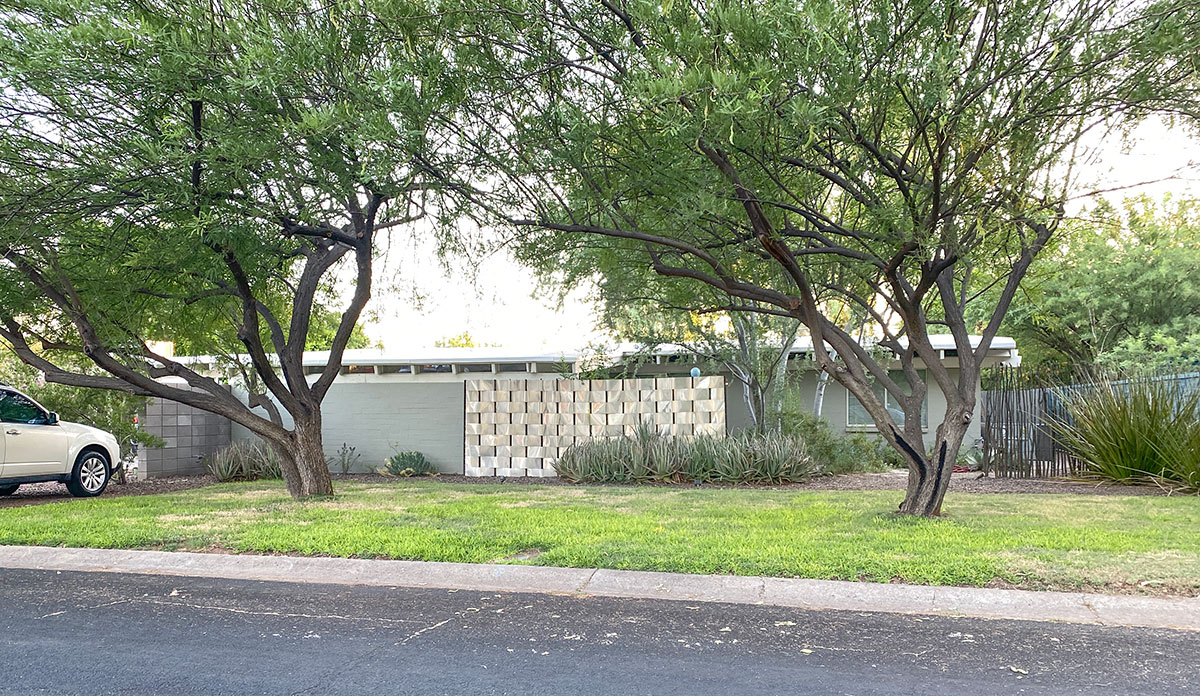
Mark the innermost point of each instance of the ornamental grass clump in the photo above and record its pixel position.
(1134, 431)
(647, 456)
(244, 461)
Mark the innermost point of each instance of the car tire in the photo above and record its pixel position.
(8, 490)
(90, 476)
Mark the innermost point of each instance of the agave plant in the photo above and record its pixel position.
(225, 465)
(646, 455)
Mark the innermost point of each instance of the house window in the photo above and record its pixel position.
(857, 417)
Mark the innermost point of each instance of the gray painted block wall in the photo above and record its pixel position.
(190, 435)
(379, 419)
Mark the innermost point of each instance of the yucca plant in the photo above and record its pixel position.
(704, 454)
(262, 462)
(225, 464)
(1182, 456)
(1133, 431)
(244, 461)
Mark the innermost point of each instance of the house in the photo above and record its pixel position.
(385, 401)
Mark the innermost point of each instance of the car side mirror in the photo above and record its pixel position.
(52, 418)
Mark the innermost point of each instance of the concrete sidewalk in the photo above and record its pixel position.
(1072, 607)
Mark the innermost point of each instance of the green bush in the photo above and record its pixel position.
(408, 464)
(244, 461)
(647, 456)
(1134, 431)
(840, 454)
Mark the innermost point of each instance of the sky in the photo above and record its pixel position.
(420, 302)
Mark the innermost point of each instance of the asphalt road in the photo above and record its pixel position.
(98, 633)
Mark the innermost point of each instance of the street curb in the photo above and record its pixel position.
(1071, 607)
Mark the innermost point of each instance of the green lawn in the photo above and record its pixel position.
(1111, 543)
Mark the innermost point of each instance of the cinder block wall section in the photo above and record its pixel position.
(190, 435)
(519, 427)
(379, 418)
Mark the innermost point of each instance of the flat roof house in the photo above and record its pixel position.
(387, 401)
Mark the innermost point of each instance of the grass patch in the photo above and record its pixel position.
(1109, 543)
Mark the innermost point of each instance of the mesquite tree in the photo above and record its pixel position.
(206, 170)
(900, 156)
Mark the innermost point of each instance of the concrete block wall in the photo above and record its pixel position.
(190, 435)
(519, 427)
(379, 419)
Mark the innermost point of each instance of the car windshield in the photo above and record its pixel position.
(15, 408)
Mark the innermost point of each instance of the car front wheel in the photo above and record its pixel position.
(90, 476)
(8, 490)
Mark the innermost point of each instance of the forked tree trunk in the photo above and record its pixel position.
(302, 456)
(929, 473)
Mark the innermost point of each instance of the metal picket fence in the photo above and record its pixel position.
(1019, 407)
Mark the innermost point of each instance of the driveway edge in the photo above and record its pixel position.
(1071, 607)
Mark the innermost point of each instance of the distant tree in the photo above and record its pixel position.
(924, 148)
(322, 334)
(1118, 290)
(202, 166)
(753, 347)
(462, 340)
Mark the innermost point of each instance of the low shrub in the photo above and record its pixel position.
(648, 456)
(834, 453)
(1134, 431)
(408, 464)
(244, 461)
(345, 459)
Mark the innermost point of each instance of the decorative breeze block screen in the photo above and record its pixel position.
(519, 427)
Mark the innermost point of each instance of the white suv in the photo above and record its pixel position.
(35, 447)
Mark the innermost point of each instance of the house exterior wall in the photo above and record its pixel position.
(190, 435)
(379, 414)
(381, 418)
(835, 408)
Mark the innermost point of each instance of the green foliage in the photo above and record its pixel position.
(462, 340)
(221, 174)
(1134, 431)
(897, 158)
(108, 410)
(408, 464)
(647, 456)
(1118, 291)
(244, 461)
(834, 453)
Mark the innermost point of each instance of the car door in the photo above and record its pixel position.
(32, 445)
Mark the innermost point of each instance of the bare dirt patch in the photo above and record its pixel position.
(41, 493)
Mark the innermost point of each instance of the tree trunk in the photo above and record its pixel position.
(929, 474)
(305, 468)
(819, 396)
